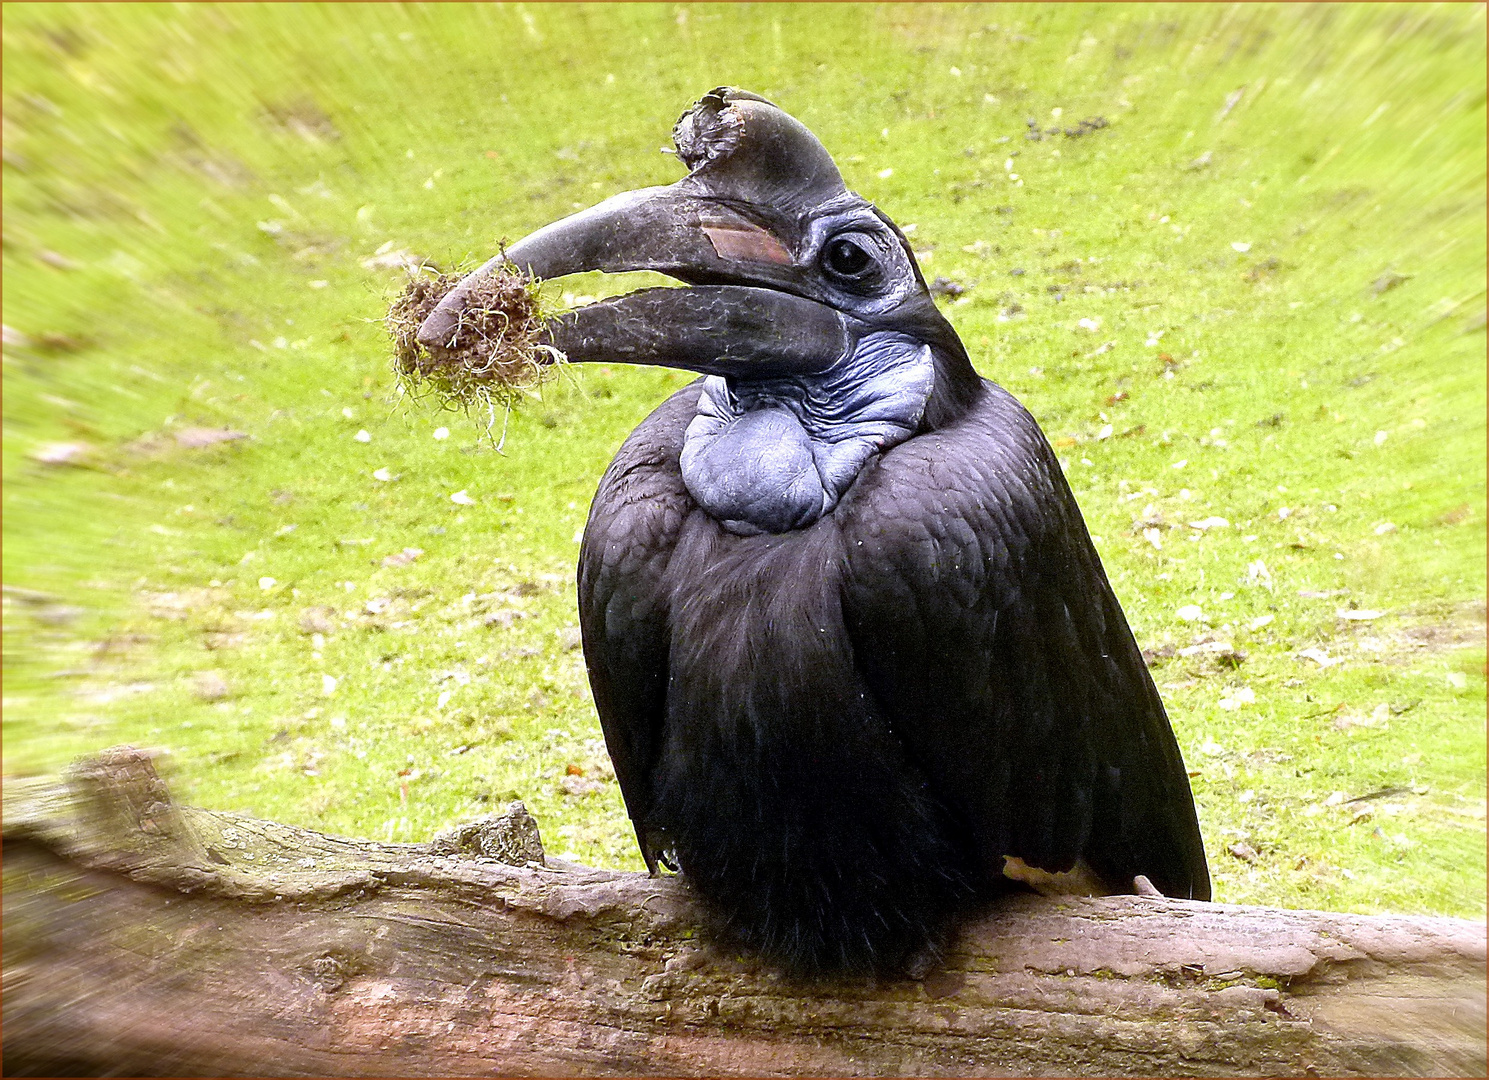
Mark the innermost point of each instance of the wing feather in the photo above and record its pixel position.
(632, 528)
(981, 617)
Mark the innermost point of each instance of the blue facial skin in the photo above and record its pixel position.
(771, 455)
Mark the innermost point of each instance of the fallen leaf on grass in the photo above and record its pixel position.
(1348, 720)
(1319, 657)
(195, 438)
(1244, 851)
(209, 685)
(1257, 573)
(1358, 614)
(403, 558)
(317, 620)
(62, 453)
(462, 498)
(1388, 281)
(1221, 650)
(577, 787)
(1237, 698)
(56, 259)
(386, 258)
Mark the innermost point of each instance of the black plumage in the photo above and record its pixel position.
(847, 732)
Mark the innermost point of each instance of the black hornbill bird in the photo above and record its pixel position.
(856, 660)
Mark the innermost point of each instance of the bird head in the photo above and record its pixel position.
(790, 270)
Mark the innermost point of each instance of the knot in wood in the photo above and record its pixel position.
(329, 972)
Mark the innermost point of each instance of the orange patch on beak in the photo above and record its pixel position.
(745, 243)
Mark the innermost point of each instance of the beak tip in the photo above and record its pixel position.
(434, 330)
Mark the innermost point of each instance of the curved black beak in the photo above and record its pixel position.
(711, 329)
(735, 220)
(671, 231)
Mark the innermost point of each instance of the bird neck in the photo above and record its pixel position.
(777, 453)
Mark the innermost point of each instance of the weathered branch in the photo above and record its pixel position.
(142, 937)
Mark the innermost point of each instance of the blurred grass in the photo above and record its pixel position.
(1257, 294)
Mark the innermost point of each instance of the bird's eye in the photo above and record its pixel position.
(846, 259)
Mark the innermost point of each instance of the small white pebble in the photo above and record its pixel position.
(267, 583)
(441, 433)
(363, 436)
(1190, 613)
(1241, 246)
(382, 474)
(462, 498)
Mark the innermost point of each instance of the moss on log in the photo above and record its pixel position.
(143, 937)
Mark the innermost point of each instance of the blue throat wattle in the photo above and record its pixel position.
(775, 454)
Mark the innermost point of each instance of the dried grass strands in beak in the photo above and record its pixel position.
(496, 352)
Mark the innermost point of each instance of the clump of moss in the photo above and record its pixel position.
(496, 353)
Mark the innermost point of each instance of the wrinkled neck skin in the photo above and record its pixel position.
(775, 454)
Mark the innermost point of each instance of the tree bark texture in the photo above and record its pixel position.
(146, 938)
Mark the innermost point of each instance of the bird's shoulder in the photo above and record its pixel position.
(641, 500)
(951, 506)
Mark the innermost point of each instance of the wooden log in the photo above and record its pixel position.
(143, 937)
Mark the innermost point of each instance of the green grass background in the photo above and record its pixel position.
(1278, 239)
